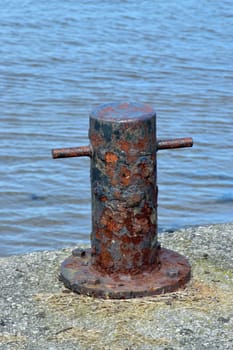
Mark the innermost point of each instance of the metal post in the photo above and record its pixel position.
(125, 259)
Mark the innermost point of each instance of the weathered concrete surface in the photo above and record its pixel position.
(37, 312)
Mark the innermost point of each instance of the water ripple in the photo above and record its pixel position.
(59, 59)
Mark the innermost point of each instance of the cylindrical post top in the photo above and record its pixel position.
(124, 128)
(123, 112)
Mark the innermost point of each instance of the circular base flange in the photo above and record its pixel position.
(79, 275)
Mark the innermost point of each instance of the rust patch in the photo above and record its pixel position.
(124, 145)
(111, 222)
(103, 199)
(140, 145)
(96, 140)
(145, 169)
(111, 157)
(105, 260)
(125, 175)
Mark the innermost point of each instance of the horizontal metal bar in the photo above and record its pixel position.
(175, 143)
(82, 151)
(85, 151)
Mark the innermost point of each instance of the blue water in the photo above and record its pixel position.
(60, 59)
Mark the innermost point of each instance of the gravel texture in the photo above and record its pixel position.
(38, 312)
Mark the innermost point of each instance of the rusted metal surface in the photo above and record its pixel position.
(124, 193)
(82, 151)
(124, 243)
(175, 143)
(87, 151)
(78, 274)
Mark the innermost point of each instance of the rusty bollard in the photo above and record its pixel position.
(125, 259)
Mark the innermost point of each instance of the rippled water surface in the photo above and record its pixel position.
(60, 59)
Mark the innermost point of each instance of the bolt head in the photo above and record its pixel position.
(172, 273)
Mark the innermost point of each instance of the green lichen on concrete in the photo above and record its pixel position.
(210, 272)
(121, 324)
(108, 323)
(16, 341)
